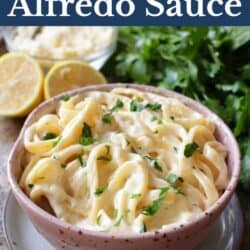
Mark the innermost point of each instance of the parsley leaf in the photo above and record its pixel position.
(153, 208)
(49, 136)
(63, 165)
(99, 191)
(119, 104)
(82, 161)
(31, 186)
(66, 98)
(173, 179)
(86, 138)
(103, 158)
(136, 106)
(153, 106)
(107, 118)
(98, 220)
(190, 149)
(135, 196)
(156, 165)
(143, 228)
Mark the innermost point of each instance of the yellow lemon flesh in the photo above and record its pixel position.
(21, 84)
(69, 75)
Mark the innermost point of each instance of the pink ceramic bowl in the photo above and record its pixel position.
(182, 236)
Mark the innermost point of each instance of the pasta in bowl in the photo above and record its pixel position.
(127, 160)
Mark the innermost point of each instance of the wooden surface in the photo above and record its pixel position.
(9, 130)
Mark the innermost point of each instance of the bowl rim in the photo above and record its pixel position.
(109, 49)
(219, 205)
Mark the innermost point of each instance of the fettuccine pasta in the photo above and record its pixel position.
(123, 161)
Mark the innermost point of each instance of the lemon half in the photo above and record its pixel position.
(21, 84)
(69, 75)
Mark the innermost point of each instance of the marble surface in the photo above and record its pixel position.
(9, 130)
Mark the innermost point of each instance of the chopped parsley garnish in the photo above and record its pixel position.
(143, 228)
(156, 165)
(103, 158)
(152, 209)
(153, 106)
(107, 118)
(119, 104)
(66, 98)
(172, 117)
(99, 191)
(136, 106)
(118, 223)
(98, 220)
(86, 138)
(135, 196)
(54, 144)
(177, 190)
(81, 161)
(31, 186)
(49, 136)
(176, 149)
(63, 165)
(190, 149)
(173, 179)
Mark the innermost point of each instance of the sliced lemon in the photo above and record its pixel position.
(69, 75)
(21, 84)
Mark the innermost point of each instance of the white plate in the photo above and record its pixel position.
(224, 234)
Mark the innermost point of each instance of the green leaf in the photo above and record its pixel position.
(173, 179)
(143, 228)
(135, 196)
(240, 36)
(82, 161)
(153, 106)
(153, 208)
(156, 165)
(99, 191)
(136, 106)
(118, 105)
(86, 131)
(190, 149)
(98, 220)
(66, 98)
(243, 116)
(107, 118)
(86, 138)
(103, 158)
(63, 165)
(49, 136)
